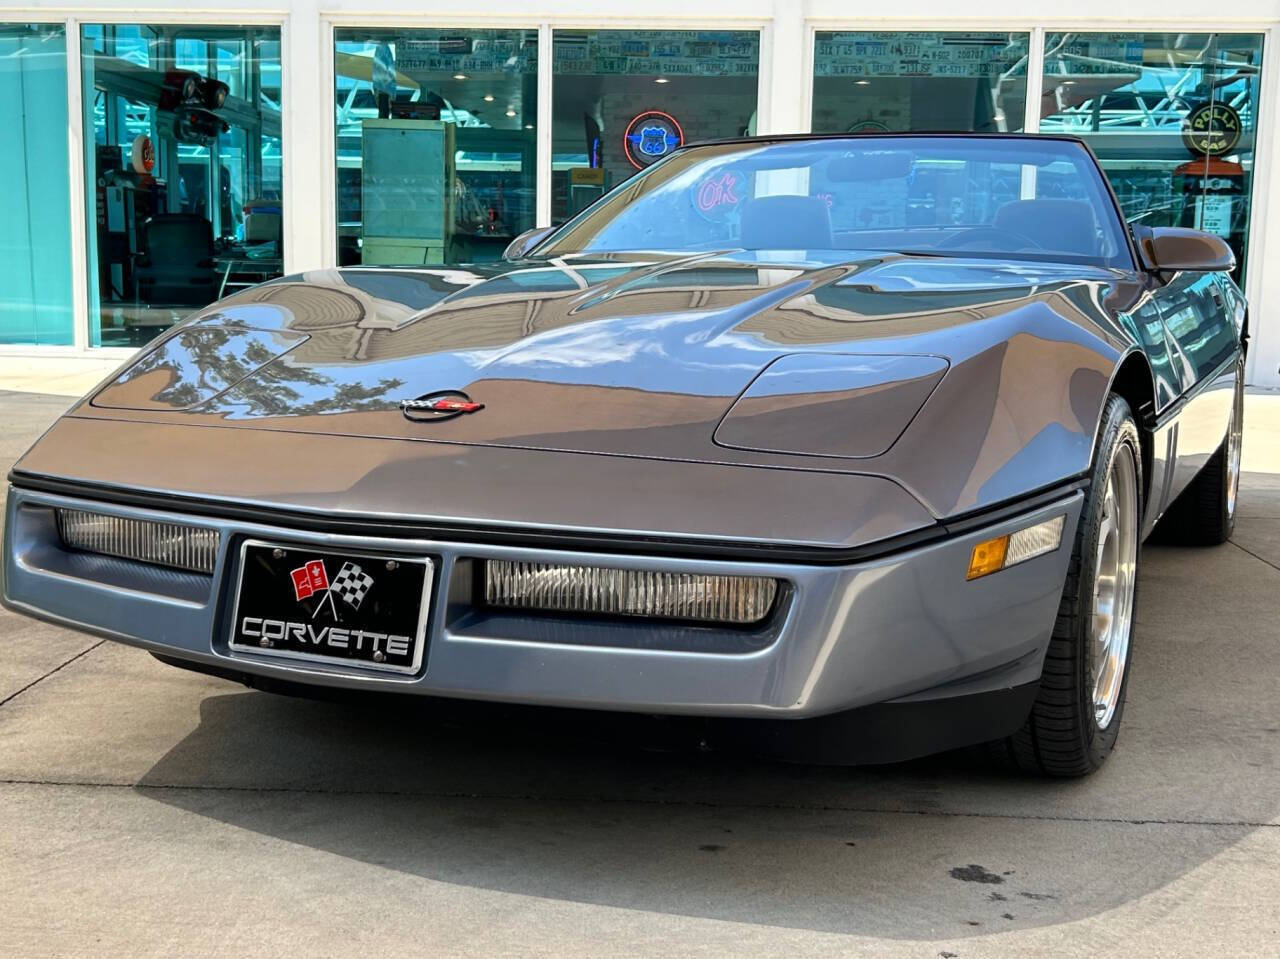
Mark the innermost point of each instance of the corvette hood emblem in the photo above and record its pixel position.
(438, 406)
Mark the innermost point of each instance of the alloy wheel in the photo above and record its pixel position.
(1234, 444)
(1115, 568)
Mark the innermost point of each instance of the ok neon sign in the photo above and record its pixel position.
(718, 191)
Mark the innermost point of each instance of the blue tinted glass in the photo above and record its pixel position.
(1037, 199)
(1173, 118)
(35, 244)
(624, 99)
(401, 97)
(875, 82)
(183, 172)
(191, 54)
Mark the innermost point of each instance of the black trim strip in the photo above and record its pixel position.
(551, 539)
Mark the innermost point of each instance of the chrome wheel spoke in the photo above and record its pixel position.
(1234, 446)
(1115, 562)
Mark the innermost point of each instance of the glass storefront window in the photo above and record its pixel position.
(35, 208)
(436, 146)
(191, 54)
(897, 82)
(230, 65)
(625, 98)
(129, 42)
(268, 74)
(1172, 117)
(184, 196)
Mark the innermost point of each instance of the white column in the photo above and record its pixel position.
(1035, 81)
(1263, 284)
(306, 156)
(542, 172)
(786, 72)
(80, 196)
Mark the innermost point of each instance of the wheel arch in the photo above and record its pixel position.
(1134, 381)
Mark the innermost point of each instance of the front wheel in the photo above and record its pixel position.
(1073, 725)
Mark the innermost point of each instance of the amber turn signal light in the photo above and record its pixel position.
(988, 557)
(993, 555)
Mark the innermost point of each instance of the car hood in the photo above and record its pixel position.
(640, 355)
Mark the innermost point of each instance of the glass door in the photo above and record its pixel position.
(1172, 117)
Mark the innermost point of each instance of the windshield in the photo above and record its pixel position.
(1022, 198)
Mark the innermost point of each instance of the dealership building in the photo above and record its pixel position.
(158, 155)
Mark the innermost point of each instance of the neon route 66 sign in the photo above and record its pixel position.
(650, 136)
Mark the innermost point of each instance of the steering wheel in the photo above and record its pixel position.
(994, 235)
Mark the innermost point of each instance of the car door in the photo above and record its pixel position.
(1204, 341)
(1145, 323)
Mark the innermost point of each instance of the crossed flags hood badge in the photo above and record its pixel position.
(351, 585)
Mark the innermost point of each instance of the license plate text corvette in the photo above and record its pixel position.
(333, 606)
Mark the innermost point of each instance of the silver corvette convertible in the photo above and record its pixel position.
(846, 445)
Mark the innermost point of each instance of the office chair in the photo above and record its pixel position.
(175, 264)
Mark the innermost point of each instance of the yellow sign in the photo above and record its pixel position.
(1211, 129)
(585, 175)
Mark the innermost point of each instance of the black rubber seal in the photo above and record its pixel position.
(549, 539)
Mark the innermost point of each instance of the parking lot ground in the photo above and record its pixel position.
(145, 810)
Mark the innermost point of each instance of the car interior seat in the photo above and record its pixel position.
(786, 223)
(1064, 226)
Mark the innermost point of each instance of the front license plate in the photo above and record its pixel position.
(331, 605)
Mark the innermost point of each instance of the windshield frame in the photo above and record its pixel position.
(545, 248)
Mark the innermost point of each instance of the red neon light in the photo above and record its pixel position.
(718, 191)
(626, 134)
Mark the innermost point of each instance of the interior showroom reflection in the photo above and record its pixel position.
(899, 82)
(184, 170)
(624, 99)
(436, 147)
(1173, 118)
(437, 140)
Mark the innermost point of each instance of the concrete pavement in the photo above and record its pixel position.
(64, 376)
(145, 810)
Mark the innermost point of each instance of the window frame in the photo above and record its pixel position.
(73, 22)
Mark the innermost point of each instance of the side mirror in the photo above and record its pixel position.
(1168, 249)
(525, 242)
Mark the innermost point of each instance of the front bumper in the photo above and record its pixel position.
(906, 627)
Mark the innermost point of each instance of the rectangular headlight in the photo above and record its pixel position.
(603, 591)
(192, 548)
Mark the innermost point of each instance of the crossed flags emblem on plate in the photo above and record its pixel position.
(351, 585)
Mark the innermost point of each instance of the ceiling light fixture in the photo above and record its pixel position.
(511, 111)
(488, 98)
(459, 76)
(862, 83)
(661, 80)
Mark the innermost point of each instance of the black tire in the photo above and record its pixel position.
(1205, 513)
(1064, 734)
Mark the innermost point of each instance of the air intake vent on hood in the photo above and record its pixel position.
(822, 404)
